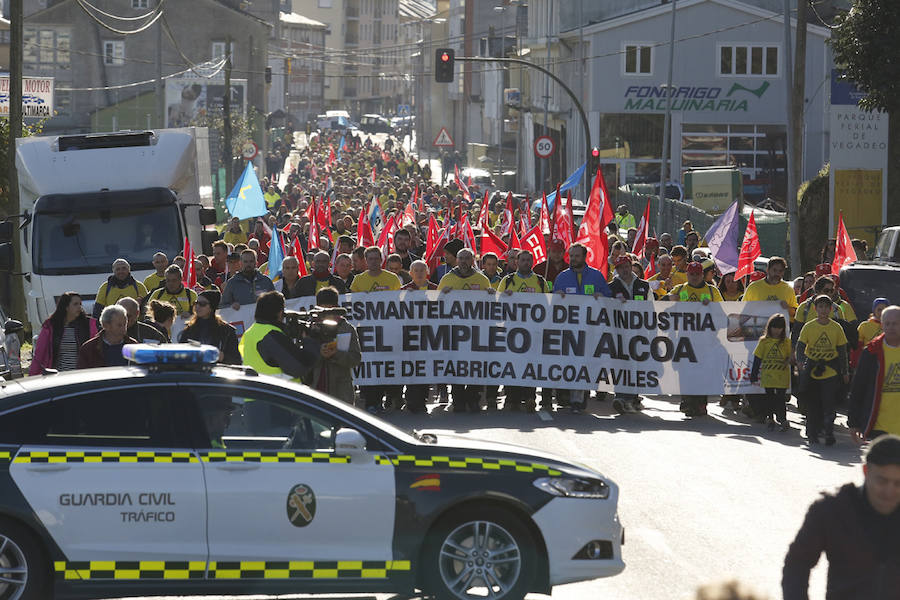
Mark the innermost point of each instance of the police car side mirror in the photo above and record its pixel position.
(350, 442)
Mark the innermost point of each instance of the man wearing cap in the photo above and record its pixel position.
(695, 289)
(773, 288)
(857, 528)
(451, 248)
(875, 393)
(206, 327)
(628, 286)
(555, 263)
(624, 220)
(822, 354)
(320, 278)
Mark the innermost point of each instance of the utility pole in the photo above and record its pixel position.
(14, 298)
(227, 154)
(667, 126)
(160, 89)
(547, 90)
(790, 158)
(798, 99)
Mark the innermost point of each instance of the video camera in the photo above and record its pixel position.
(318, 323)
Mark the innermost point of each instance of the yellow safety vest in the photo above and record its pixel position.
(249, 352)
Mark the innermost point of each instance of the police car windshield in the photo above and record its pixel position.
(85, 233)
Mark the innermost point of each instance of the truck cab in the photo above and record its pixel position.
(87, 200)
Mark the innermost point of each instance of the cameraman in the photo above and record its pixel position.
(266, 347)
(333, 371)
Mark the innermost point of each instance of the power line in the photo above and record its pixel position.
(159, 12)
(218, 68)
(112, 16)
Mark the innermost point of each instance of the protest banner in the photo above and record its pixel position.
(546, 340)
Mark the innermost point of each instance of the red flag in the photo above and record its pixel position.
(592, 233)
(417, 200)
(545, 216)
(321, 215)
(409, 215)
(533, 241)
(750, 250)
(563, 225)
(331, 156)
(312, 240)
(514, 240)
(435, 245)
(491, 242)
(328, 213)
(462, 187)
(643, 232)
(386, 238)
(364, 235)
(298, 254)
(189, 277)
(650, 271)
(506, 225)
(523, 226)
(374, 174)
(466, 234)
(483, 221)
(844, 253)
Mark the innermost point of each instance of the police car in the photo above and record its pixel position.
(177, 476)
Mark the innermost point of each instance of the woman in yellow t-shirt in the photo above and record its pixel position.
(771, 367)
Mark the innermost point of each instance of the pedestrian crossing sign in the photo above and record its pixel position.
(443, 138)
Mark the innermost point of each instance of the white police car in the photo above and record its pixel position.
(175, 476)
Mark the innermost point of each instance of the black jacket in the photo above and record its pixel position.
(277, 349)
(306, 286)
(145, 332)
(860, 544)
(221, 335)
(640, 287)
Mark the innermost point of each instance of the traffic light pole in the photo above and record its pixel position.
(584, 121)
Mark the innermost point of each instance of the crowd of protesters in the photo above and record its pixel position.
(355, 217)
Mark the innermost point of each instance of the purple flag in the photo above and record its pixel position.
(722, 239)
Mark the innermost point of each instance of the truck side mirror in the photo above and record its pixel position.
(206, 240)
(208, 216)
(7, 257)
(6, 231)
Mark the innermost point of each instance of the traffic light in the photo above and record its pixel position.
(268, 74)
(595, 161)
(443, 65)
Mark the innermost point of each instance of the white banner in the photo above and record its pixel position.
(545, 340)
(37, 97)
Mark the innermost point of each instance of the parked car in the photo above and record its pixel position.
(375, 124)
(864, 281)
(887, 248)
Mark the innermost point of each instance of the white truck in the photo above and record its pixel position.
(86, 200)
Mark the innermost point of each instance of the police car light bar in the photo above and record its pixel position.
(172, 354)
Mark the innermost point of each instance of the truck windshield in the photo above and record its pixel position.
(85, 233)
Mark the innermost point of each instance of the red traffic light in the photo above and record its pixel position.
(445, 57)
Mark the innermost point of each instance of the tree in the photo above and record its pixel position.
(27, 130)
(867, 51)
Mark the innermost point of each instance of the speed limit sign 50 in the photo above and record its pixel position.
(544, 147)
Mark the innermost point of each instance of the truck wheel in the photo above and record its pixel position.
(23, 566)
(485, 553)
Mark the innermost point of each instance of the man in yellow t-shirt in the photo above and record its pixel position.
(120, 285)
(822, 352)
(871, 328)
(156, 279)
(875, 394)
(773, 287)
(667, 277)
(375, 279)
(175, 293)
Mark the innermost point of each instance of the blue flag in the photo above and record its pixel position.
(722, 239)
(340, 148)
(276, 254)
(246, 199)
(570, 182)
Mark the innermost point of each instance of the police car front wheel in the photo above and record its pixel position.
(481, 554)
(23, 573)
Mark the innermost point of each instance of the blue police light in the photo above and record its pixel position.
(171, 354)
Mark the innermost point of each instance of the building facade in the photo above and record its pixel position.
(297, 61)
(95, 68)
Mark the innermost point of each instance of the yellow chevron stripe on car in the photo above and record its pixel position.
(272, 456)
(104, 456)
(306, 569)
(144, 569)
(471, 463)
(5, 456)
